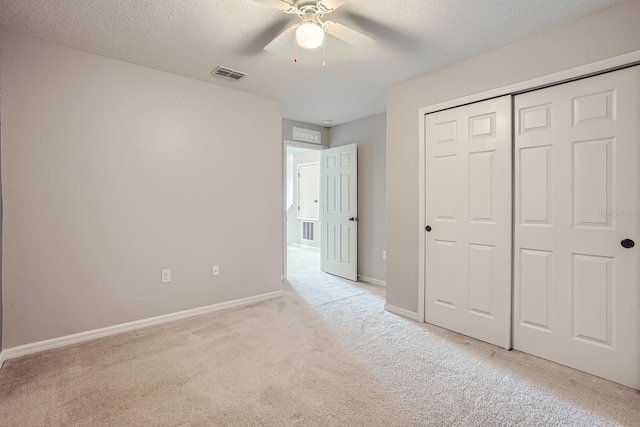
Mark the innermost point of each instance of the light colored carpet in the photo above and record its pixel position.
(325, 354)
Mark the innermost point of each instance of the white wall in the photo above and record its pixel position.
(112, 172)
(370, 135)
(609, 33)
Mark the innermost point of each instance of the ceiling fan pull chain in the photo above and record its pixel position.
(324, 53)
(295, 54)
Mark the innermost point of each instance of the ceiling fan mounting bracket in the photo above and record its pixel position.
(317, 8)
(311, 14)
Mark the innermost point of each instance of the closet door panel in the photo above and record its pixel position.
(576, 199)
(468, 207)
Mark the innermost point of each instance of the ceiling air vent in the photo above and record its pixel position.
(228, 74)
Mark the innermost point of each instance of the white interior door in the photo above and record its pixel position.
(309, 191)
(576, 177)
(340, 211)
(468, 212)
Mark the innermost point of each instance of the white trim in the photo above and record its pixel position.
(539, 82)
(2, 358)
(412, 315)
(625, 60)
(285, 208)
(300, 144)
(371, 280)
(323, 242)
(422, 200)
(23, 350)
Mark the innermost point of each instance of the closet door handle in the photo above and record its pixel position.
(628, 243)
(428, 228)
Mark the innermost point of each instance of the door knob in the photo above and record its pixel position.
(428, 228)
(353, 218)
(628, 243)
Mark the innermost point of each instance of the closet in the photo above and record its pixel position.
(547, 265)
(468, 210)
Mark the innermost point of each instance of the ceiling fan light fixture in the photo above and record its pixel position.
(310, 35)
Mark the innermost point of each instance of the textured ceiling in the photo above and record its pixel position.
(191, 37)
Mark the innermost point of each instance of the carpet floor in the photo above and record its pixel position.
(325, 354)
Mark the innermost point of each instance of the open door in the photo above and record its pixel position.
(340, 211)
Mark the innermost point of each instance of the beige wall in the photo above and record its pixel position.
(113, 172)
(370, 135)
(603, 35)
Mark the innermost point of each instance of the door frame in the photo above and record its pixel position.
(600, 67)
(309, 146)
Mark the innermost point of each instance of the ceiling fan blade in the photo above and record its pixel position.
(282, 39)
(284, 5)
(348, 35)
(331, 5)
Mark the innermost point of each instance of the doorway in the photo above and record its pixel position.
(303, 206)
(321, 209)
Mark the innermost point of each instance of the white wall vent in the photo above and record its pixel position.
(228, 74)
(306, 135)
(307, 231)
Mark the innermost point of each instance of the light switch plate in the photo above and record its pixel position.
(166, 276)
(216, 270)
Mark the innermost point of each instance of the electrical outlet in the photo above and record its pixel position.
(166, 276)
(384, 254)
(216, 270)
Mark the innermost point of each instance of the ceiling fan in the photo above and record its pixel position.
(309, 33)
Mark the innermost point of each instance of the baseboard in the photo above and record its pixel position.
(301, 246)
(1, 358)
(371, 280)
(36, 347)
(401, 312)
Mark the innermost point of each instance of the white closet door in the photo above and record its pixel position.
(468, 209)
(576, 200)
